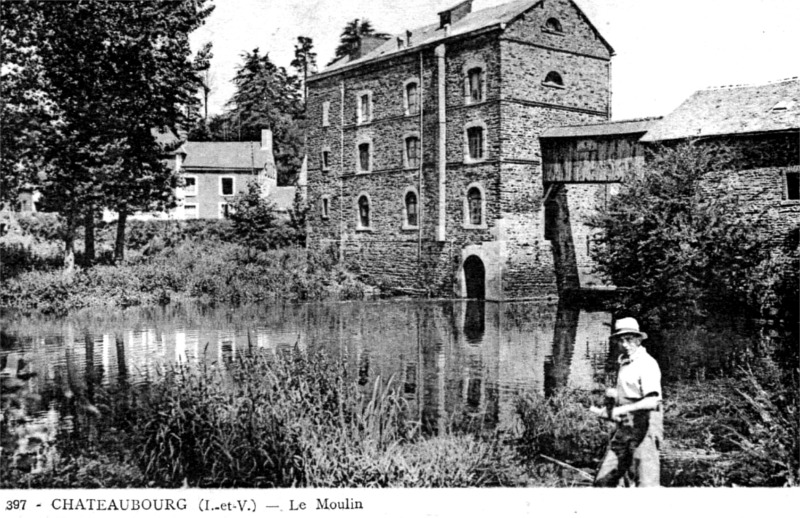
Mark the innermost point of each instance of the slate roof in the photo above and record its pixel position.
(225, 155)
(624, 127)
(733, 110)
(283, 197)
(430, 34)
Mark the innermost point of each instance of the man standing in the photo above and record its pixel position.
(634, 447)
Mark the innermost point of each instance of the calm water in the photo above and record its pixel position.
(450, 357)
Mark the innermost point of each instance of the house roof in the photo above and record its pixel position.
(283, 197)
(225, 155)
(610, 128)
(733, 110)
(430, 34)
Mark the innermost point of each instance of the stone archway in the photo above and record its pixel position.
(475, 277)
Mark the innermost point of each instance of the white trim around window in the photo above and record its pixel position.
(191, 211)
(364, 116)
(370, 212)
(470, 65)
(468, 158)
(325, 207)
(233, 185)
(406, 225)
(406, 162)
(221, 212)
(187, 190)
(326, 114)
(467, 221)
(371, 157)
(322, 162)
(406, 107)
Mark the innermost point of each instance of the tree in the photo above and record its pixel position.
(681, 250)
(115, 71)
(266, 97)
(305, 60)
(253, 217)
(350, 39)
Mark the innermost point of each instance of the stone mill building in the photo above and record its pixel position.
(424, 164)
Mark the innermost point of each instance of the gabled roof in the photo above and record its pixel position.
(624, 127)
(733, 110)
(430, 34)
(225, 155)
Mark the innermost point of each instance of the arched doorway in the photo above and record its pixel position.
(475, 277)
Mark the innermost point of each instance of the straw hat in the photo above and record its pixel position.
(627, 326)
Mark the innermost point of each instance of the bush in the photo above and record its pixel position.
(561, 427)
(681, 252)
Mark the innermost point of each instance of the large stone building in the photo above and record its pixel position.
(424, 161)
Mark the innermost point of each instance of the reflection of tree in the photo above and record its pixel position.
(556, 368)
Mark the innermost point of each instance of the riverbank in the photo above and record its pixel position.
(302, 420)
(166, 261)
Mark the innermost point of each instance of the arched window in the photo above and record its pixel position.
(364, 157)
(363, 212)
(412, 98)
(553, 79)
(412, 219)
(325, 207)
(475, 206)
(553, 25)
(475, 85)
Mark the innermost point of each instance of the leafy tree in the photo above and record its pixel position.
(266, 97)
(253, 216)
(114, 71)
(350, 39)
(681, 250)
(305, 60)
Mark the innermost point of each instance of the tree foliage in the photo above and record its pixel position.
(266, 97)
(682, 247)
(111, 73)
(305, 60)
(350, 39)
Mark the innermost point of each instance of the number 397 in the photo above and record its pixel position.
(15, 505)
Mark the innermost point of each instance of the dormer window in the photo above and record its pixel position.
(553, 25)
(553, 79)
(444, 19)
(782, 106)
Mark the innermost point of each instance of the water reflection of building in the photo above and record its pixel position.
(463, 359)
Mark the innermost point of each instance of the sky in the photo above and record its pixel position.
(665, 50)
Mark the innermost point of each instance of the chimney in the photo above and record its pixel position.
(401, 44)
(266, 141)
(367, 44)
(408, 38)
(454, 14)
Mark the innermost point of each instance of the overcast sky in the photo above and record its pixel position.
(665, 49)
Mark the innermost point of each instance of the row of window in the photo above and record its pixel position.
(474, 150)
(474, 92)
(192, 210)
(227, 185)
(474, 209)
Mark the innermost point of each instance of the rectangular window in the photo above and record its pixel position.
(413, 98)
(793, 185)
(226, 186)
(364, 114)
(475, 140)
(190, 211)
(326, 156)
(326, 110)
(363, 157)
(190, 185)
(325, 207)
(412, 152)
(476, 85)
(224, 210)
